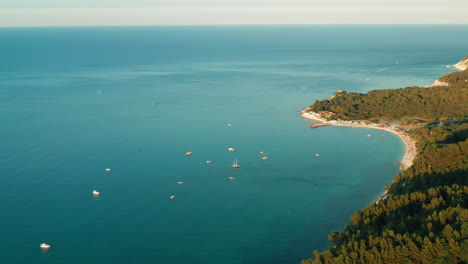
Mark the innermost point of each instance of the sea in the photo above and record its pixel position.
(75, 101)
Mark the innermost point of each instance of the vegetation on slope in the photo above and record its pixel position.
(406, 105)
(424, 219)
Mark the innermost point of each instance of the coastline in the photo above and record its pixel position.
(437, 83)
(461, 65)
(410, 144)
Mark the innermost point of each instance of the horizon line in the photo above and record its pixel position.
(246, 25)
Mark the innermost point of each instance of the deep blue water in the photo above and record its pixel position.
(169, 90)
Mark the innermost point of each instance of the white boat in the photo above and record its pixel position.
(44, 246)
(369, 135)
(232, 178)
(188, 153)
(264, 158)
(95, 192)
(172, 197)
(229, 124)
(208, 161)
(235, 164)
(180, 182)
(317, 155)
(261, 152)
(108, 169)
(232, 149)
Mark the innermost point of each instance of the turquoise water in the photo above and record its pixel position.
(169, 90)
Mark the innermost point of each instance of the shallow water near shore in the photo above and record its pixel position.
(78, 100)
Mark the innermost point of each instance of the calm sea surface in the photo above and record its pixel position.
(75, 101)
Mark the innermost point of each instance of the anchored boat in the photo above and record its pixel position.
(235, 164)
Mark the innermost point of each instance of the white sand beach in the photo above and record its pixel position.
(410, 144)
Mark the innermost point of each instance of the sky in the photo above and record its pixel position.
(17, 13)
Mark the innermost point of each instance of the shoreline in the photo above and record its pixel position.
(461, 65)
(410, 144)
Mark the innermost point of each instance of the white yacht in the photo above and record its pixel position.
(44, 246)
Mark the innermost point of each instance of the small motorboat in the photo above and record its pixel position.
(180, 182)
(108, 169)
(232, 178)
(188, 153)
(96, 192)
(229, 124)
(172, 197)
(232, 149)
(317, 155)
(261, 152)
(369, 135)
(208, 161)
(44, 246)
(264, 158)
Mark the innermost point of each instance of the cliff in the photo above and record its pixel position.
(462, 65)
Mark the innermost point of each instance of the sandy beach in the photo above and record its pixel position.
(410, 144)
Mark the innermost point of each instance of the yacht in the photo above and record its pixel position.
(44, 246)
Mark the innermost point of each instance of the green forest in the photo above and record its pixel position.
(405, 105)
(424, 217)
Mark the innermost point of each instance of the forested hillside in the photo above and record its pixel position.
(406, 105)
(424, 218)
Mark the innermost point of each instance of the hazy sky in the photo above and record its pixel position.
(203, 12)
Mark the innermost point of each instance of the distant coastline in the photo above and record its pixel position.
(462, 65)
(410, 144)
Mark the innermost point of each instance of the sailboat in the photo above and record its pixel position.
(235, 164)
